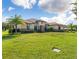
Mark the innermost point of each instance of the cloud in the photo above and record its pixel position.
(56, 6)
(73, 1)
(10, 8)
(26, 4)
(71, 19)
(57, 19)
(62, 18)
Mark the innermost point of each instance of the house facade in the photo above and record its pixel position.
(57, 26)
(40, 25)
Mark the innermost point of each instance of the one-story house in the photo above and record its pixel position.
(40, 25)
(57, 26)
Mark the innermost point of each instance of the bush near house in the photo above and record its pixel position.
(26, 31)
(14, 30)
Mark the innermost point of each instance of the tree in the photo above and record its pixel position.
(74, 8)
(75, 27)
(14, 21)
(72, 27)
(4, 26)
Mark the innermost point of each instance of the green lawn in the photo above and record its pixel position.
(39, 45)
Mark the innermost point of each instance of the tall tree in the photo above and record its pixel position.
(4, 26)
(14, 21)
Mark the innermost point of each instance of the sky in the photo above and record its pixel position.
(49, 10)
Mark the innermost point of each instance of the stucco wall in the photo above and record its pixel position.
(55, 27)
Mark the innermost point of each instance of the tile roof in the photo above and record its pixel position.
(54, 23)
(33, 21)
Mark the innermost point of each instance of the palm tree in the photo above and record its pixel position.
(14, 21)
(72, 27)
(75, 27)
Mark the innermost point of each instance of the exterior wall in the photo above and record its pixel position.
(55, 27)
(30, 26)
(21, 26)
(26, 26)
(40, 23)
(40, 26)
(61, 28)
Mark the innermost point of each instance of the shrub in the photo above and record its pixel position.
(50, 29)
(26, 31)
(12, 31)
(58, 30)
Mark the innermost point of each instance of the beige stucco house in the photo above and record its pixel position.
(39, 25)
(57, 26)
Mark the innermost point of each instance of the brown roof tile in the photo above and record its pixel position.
(54, 23)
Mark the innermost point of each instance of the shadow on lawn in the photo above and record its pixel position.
(6, 37)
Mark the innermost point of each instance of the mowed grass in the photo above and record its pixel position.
(39, 45)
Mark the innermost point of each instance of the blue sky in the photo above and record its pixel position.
(39, 9)
(35, 12)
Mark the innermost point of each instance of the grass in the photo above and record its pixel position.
(39, 45)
